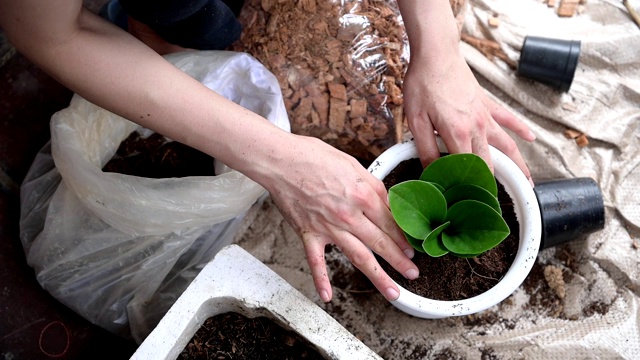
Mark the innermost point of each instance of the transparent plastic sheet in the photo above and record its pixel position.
(119, 249)
(340, 65)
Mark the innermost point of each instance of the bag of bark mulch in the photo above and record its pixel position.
(119, 249)
(340, 65)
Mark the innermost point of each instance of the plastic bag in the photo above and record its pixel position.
(120, 249)
(340, 65)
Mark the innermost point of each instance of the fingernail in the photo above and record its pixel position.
(411, 274)
(409, 252)
(392, 294)
(532, 136)
(531, 182)
(324, 295)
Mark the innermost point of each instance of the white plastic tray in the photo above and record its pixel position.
(235, 281)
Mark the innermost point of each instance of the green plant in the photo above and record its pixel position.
(453, 208)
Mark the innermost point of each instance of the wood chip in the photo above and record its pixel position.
(338, 91)
(569, 107)
(551, 3)
(341, 80)
(582, 140)
(337, 114)
(358, 108)
(399, 123)
(494, 22)
(572, 134)
(321, 106)
(490, 49)
(567, 8)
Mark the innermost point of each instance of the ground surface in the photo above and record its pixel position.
(579, 302)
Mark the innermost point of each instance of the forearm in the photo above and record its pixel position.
(114, 70)
(431, 29)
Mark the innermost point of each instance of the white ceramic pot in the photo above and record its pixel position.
(527, 211)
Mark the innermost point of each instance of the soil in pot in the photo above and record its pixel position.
(235, 336)
(449, 277)
(157, 157)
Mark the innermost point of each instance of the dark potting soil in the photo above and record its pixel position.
(156, 157)
(235, 336)
(449, 277)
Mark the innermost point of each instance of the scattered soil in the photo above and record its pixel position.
(597, 307)
(235, 336)
(541, 296)
(457, 278)
(157, 157)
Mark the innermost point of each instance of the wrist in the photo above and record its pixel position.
(265, 157)
(431, 29)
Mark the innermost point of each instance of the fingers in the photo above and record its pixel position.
(359, 255)
(363, 259)
(475, 135)
(381, 215)
(469, 136)
(506, 119)
(426, 143)
(393, 251)
(372, 232)
(314, 248)
(502, 141)
(376, 231)
(480, 147)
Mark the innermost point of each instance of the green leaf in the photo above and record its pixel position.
(475, 228)
(418, 207)
(415, 243)
(438, 186)
(471, 192)
(455, 169)
(432, 245)
(466, 256)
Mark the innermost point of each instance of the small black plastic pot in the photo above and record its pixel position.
(569, 209)
(550, 61)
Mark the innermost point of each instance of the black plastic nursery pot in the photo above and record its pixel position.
(569, 209)
(550, 61)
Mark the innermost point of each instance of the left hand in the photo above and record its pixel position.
(445, 96)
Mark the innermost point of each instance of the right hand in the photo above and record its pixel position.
(328, 197)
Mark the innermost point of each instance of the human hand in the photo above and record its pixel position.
(328, 197)
(445, 96)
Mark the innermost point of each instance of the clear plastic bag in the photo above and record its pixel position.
(120, 249)
(340, 65)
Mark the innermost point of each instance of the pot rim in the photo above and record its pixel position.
(530, 226)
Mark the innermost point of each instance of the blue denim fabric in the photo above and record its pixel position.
(196, 24)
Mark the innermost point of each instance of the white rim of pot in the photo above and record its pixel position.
(529, 221)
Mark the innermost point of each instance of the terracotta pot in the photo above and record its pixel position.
(526, 208)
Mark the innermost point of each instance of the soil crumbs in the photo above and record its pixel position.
(234, 336)
(157, 157)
